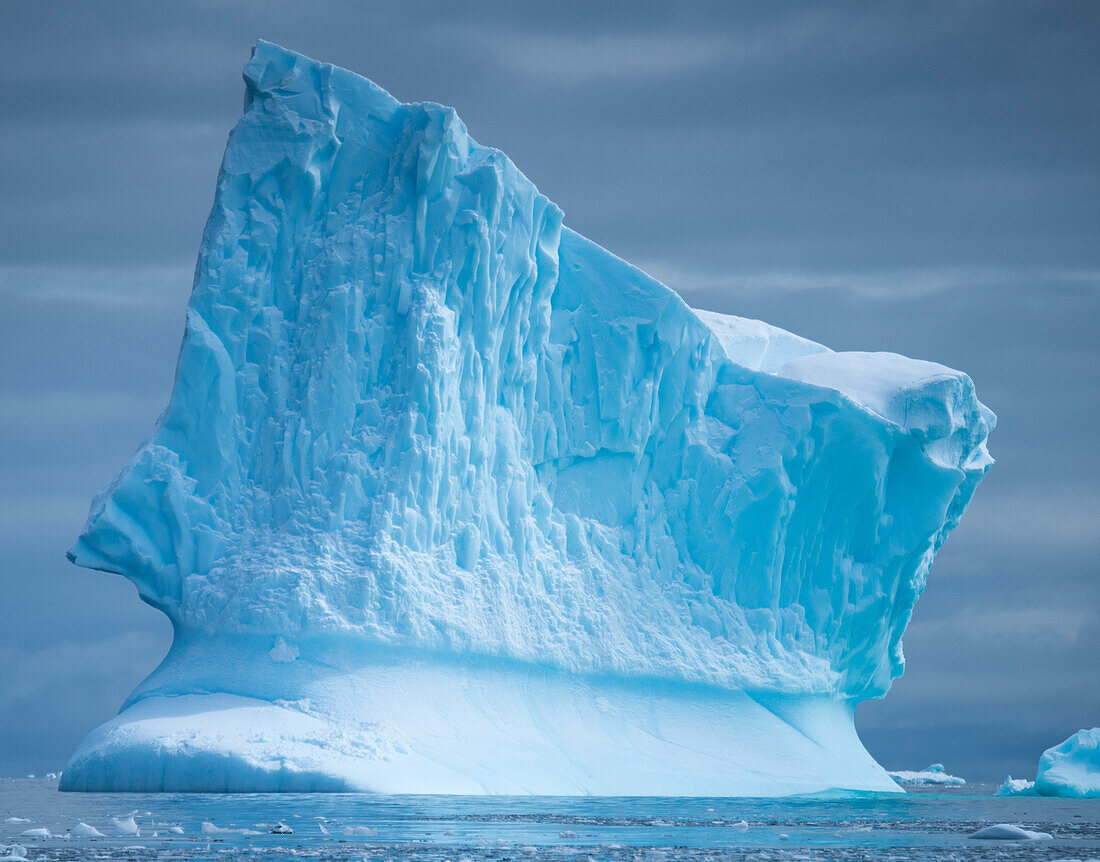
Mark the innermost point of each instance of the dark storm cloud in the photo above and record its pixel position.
(920, 177)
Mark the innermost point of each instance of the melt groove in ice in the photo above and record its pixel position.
(417, 420)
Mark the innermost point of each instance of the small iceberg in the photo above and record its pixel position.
(37, 833)
(1016, 787)
(83, 830)
(930, 775)
(1009, 832)
(281, 829)
(209, 828)
(126, 827)
(1072, 768)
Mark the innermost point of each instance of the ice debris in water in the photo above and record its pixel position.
(1008, 832)
(934, 774)
(39, 832)
(281, 828)
(209, 828)
(83, 830)
(439, 474)
(126, 826)
(360, 830)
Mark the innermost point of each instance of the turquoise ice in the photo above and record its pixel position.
(1071, 768)
(449, 498)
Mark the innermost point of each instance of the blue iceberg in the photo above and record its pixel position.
(450, 499)
(1072, 768)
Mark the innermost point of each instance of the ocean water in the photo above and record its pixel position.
(915, 826)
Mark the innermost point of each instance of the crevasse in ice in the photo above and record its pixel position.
(449, 498)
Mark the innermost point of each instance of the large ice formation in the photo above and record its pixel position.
(450, 499)
(1072, 768)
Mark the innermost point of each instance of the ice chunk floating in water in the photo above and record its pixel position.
(1069, 769)
(450, 499)
(1072, 768)
(1016, 787)
(1009, 832)
(934, 774)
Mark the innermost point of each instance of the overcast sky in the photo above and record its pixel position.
(916, 177)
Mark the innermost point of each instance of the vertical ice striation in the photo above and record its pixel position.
(448, 497)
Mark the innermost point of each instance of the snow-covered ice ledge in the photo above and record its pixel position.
(450, 499)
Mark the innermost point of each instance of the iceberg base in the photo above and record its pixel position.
(427, 726)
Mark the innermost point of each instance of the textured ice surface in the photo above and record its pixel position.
(1016, 787)
(934, 774)
(449, 498)
(1072, 768)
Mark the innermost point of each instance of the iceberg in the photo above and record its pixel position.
(930, 775)
(450, 499)
(1072, 768)
(1069, 769)
(1016, 787)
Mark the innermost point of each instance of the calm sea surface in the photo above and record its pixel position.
(916, 826)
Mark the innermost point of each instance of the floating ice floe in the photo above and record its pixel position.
(360, 830)
(126, 827)
(1009, 832)
(934, 774)
(83, 830)
(1016, 787)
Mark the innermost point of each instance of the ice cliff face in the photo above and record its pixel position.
(415, 415)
